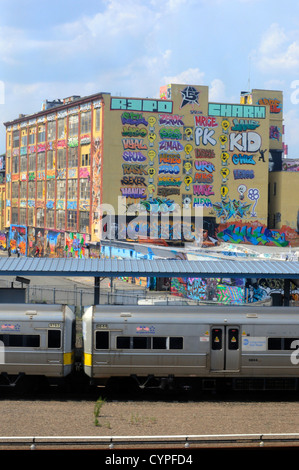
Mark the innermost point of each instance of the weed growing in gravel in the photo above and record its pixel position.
(97, 410)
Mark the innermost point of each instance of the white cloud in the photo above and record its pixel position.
(278, 50)
(192, 76)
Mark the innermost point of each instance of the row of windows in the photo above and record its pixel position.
(42, 160)
(39, 189)
(138, 342)
(168, 342)
(31, 341)
(56, 130)
(65, 220)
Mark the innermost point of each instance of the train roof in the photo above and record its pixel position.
(193, 314)
(23, 312)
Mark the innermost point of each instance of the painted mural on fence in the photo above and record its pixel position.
(75, 245)
(3, 242)
(54, 244)
(208, 290)
(18, 239)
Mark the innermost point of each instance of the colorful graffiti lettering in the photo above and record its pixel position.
(258, 235)
(167, 145)
(245, 141)
(129, 156)
(243, 174)
(231, 208)
(133, 118)
(244, 124)
(205, 121)
(170, 120)
(274, 103)
(203, 190)
(205, 135)
(243, 159)
(204, 153)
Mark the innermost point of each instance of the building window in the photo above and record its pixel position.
(23, 190)
(85, 159)
(61, 128)
(40, 218)
(50, 160)
(98, 119)
(72, 220)
(24, 139)
(23, 159)
(15, 139)
(32, 162)
(61, 159)
(15, 190)
(51, 132)
(15, 164)
(84, 221)
(22, 220)
(30, 215)
(40, 189)
(60, 219)
(72, 187)
(73, 157)
(32, 133)
(31, 190)
(41, 137)
(14, 215)
(50, 189)
(61, 187)
(73, 125)
(50, 218)
(86, 122)
(84, 188)
(41, 161)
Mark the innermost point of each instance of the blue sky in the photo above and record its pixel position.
(55, 49)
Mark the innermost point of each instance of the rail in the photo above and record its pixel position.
(114, 442)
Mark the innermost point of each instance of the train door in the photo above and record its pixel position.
(225, 348)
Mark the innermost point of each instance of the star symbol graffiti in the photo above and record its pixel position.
(189, 96)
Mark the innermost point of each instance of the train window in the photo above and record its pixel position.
(159, 343)
(233, 339)
(216, 339)
(21, 341)
(102, 340)
(123, 342)
(142, 342)
(275, 344)
(281, 344)
(288, 343)
(54, 339)
(175, 343)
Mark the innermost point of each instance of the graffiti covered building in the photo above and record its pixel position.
(81, 169)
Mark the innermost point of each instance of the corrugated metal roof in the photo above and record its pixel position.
(150, 268)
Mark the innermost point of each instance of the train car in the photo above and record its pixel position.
(36, 341)
(212, 347)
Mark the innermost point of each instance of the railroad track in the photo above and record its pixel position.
(141, 442)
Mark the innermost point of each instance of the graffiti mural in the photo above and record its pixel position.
(18, 239)
(54, 244)
(251, 233)
(75, 245)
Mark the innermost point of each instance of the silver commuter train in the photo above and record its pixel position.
(36, 341)
(241, 348)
